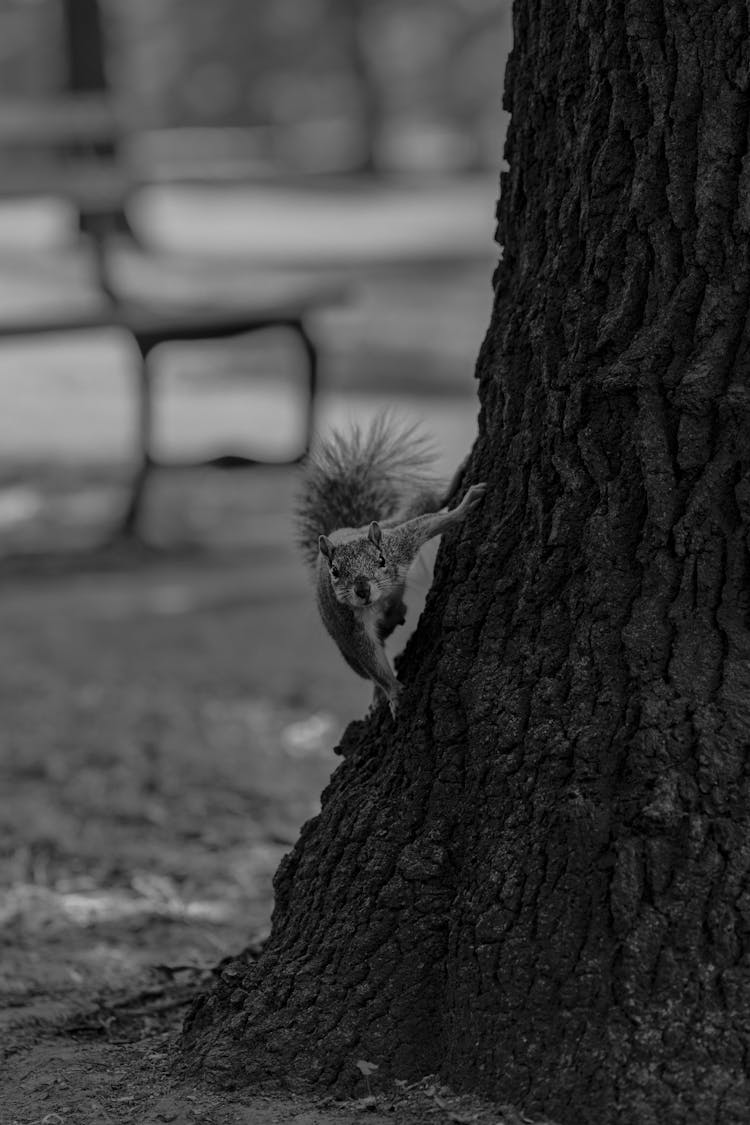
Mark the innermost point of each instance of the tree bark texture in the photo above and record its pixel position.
(537, 883)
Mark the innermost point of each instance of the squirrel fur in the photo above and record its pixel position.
(368, 502)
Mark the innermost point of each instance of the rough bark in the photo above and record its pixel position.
(536, 884)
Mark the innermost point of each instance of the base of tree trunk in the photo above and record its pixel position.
(536, 884)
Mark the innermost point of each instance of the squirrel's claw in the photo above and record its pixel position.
(381, 696)
(392, 698)
(474, 495)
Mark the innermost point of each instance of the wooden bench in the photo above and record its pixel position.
(68, 149)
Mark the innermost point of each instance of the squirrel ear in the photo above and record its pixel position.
(326, 546)
(375, 534)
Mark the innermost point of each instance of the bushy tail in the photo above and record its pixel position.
(362, 475)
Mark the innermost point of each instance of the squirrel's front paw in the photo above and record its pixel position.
(393, 700)
(380, 696)
(474, 495)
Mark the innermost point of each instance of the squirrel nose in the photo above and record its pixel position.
(362, 587)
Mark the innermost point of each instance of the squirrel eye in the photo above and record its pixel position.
(334, 572)
(381, 560)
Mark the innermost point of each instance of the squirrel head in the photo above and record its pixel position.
(359, 569)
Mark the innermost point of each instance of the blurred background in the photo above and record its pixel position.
(309, 86)
(325, 137)
(168, 703)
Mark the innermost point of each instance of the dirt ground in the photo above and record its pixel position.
(168, 723)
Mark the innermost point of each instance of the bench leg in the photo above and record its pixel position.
(310, 349)
(128, 526)
(129, 522)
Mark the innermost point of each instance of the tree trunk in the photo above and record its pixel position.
(85, 49)
(351, 16)
(86, 73)
(536, 883)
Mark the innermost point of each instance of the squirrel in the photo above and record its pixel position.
(367, 504)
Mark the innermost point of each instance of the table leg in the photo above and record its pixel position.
(311, 358)
(129, 522)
